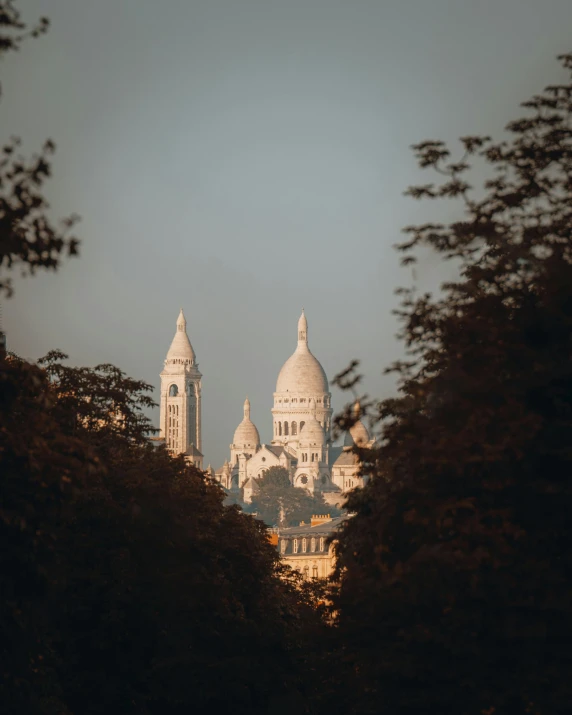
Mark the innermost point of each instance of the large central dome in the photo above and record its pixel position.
(302, 372)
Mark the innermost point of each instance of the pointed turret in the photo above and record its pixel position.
(180, 420)
(181, 348)
(357, 435)
(246, 435)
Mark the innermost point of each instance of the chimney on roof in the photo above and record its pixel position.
(319, 519)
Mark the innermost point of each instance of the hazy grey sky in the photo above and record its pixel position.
(244, 159)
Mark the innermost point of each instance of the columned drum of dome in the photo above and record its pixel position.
(301, 388)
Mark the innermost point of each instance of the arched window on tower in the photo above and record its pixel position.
(302, 426)
(280, 429)
(173, 391)
(294, 428)
(285, 429)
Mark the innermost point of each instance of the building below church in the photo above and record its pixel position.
(301, 423)
(305, 548)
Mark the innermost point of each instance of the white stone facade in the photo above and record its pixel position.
(301, 435)
(180, 420)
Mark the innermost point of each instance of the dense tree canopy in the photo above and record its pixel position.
(456, 572)
(278, 503)
(128, 585)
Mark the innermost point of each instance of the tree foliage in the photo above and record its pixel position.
(13, 30)
(29, 239)
(455, 572)
(277, 502)
(127, 585)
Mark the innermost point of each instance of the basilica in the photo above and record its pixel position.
(301, 425)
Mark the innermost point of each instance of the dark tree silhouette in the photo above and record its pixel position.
(456, 571)
(127, 585)
(29, 239)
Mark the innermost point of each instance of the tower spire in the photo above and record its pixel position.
(247, 409)
(181, 348)
(303, 329)
(180, 419)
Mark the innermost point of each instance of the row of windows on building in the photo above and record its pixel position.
(304, 479)
(306, 572)
(314, 457)
(174, 391)
(281, 428)
(318, 400)
(173, 415)
(173, 426)
(286, 429)
(303, 542)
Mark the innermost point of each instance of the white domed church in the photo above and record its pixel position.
(301, 425)
(301, 434)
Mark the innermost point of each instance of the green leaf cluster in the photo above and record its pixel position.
(277, 503)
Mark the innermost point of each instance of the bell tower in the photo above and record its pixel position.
(180, 421)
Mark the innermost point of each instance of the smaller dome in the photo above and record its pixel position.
(357, 434)
(246, 432)
(312, 432)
